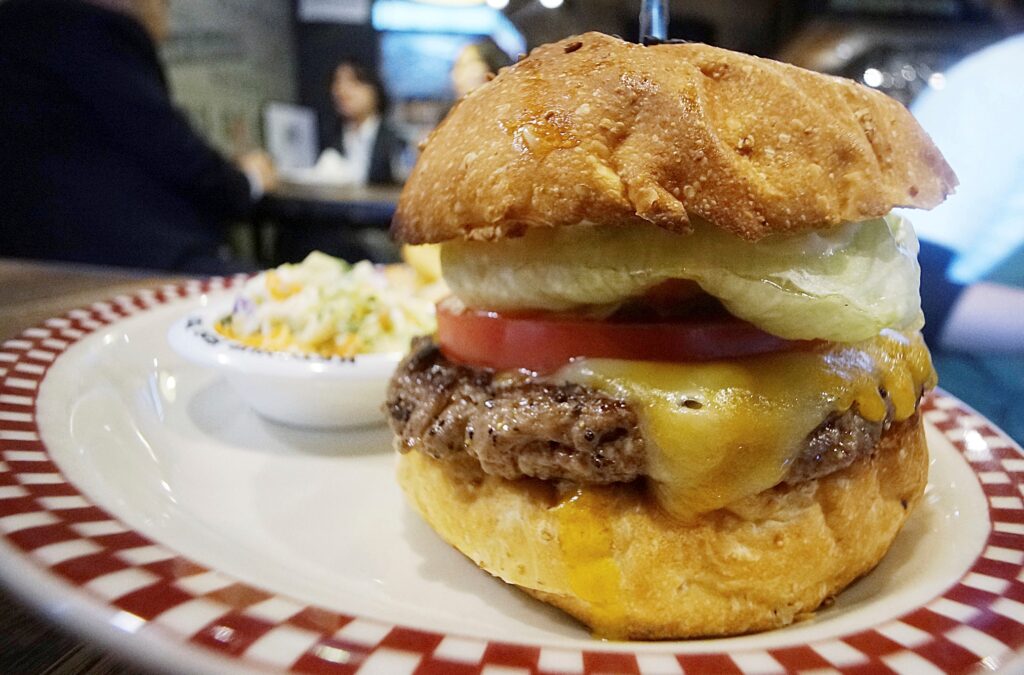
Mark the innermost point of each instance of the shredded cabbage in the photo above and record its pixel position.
(845, 284)
(328, 307)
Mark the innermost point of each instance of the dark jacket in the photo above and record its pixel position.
(96, 163)
(938, 293)
(387, 146)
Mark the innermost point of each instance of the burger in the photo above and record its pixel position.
(676, 389)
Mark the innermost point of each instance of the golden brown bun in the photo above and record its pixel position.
(763, 563)
(599, 130)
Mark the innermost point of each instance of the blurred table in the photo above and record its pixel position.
(298, 216)
(343, 202)
(31, 293)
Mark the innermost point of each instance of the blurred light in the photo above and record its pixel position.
(991, 663)
(418, 66)
(551, 4)
(937, 81)
(333, 654)
(223, 633)
(168, 386)
(497, 4)
(415, 17)
(976, 447)
(419, 18)
(873, 77)
(127, 622)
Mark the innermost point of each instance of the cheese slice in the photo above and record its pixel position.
(720, 431)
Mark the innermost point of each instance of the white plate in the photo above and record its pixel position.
(142, 502)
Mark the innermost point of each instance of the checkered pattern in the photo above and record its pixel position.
(978, 622)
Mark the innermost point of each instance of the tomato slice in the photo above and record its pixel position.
(544, 343)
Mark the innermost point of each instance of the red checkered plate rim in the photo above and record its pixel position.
(65, 554)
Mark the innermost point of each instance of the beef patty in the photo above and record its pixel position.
(516, 425)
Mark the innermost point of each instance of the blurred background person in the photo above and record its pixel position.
(973, 245)
(365, 147)
(476, 64)
(363, 150)
(99, 166)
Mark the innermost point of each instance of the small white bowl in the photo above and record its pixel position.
(291, 389)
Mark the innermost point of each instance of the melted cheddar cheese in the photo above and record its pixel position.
(720, 431)
(585, 539)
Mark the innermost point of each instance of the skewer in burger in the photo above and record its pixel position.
(676, 389)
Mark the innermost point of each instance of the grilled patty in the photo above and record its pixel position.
(516, 425)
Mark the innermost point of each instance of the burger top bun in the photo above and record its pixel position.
(594, 129)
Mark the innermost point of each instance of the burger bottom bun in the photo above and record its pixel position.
(614, 560)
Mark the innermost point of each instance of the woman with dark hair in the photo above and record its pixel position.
(364, 138)
(361, 151)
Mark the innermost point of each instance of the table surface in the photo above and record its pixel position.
(347, 194)
(30, 293)
(349, 221)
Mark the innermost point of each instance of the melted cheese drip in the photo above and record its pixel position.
(720, 431)
(585, 539)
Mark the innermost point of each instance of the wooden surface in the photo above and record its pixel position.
(348, 194)
(30, 293)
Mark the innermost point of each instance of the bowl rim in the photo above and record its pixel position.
(193, 336)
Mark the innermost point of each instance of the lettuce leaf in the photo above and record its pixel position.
(845, 284)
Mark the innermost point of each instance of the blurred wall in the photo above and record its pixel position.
(225, 60)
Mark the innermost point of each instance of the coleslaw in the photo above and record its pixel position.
(327, 307)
